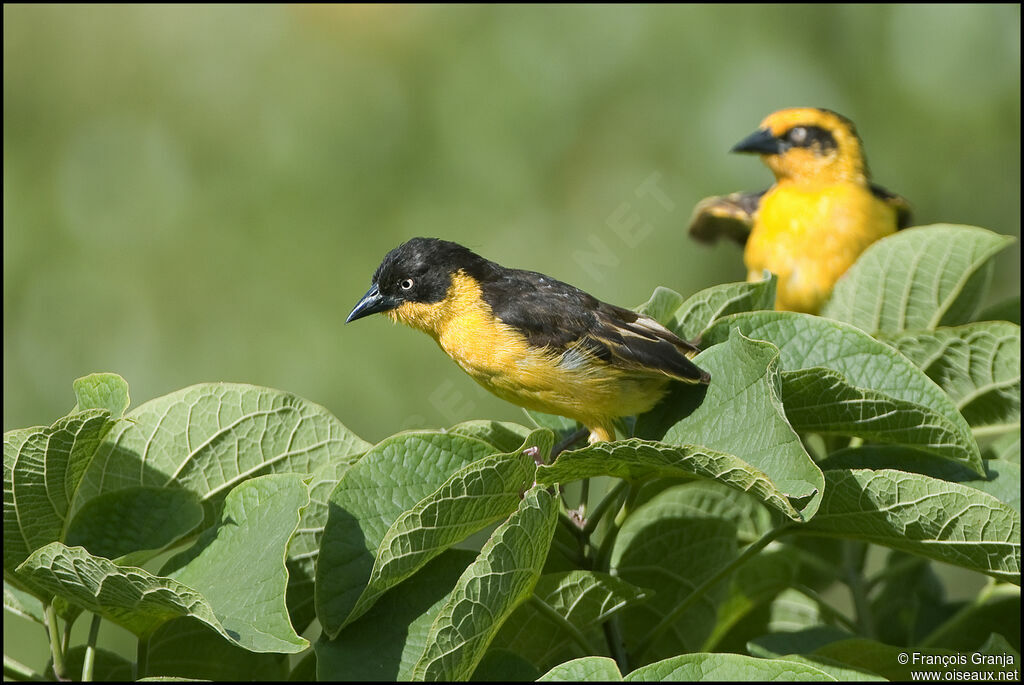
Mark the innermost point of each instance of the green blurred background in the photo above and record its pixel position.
(202, 193)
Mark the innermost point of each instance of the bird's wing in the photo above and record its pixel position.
(638, 342)
(556, 315)
(729, 216)
(897, 202)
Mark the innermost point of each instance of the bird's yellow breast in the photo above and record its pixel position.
(810, 235)
(566, 382)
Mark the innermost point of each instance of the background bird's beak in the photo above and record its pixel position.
(371, 303)
(761, 142)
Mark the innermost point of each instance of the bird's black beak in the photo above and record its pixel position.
(761, 142)
(371, 303)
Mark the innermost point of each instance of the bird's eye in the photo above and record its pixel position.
(406, 284)
(798, 135)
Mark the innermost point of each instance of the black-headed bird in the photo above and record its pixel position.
(528, 338)
(820, 215)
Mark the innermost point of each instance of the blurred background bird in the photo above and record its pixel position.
(820, 215)
(528, 338)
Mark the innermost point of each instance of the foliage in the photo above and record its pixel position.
(226, 519)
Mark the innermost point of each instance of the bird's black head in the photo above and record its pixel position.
(419, 270)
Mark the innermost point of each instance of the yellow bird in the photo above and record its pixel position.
(820, 215)
(529, 339)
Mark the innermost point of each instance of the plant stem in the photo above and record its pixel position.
(613, 636)
(827, 608)
(605, 551)
(602, 507)
(15, 670)
(699, 591)
(55, 647)
(90, 649)
(854, 554)
(584, 498)
(562, 622)
(141, 665)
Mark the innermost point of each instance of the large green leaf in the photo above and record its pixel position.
(43, 467)
(239, 564)
(978, 365)
(585, 669)
(505, 436)
(640, 459)
(665, 547)
(133, 524)
(131, 597)
(304, 549)
(208, 438)
(745, 387)
(917, 279)
(502, 577)
(385, 642)
(925, 516)
(187, 648)
(725, 668)
(1001, 479)
(474, 497)
(387, 481)
(702, 309)
(585, 599)
(837, 379)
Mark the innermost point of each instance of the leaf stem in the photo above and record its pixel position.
(604, 552)
(141, 665)
(562, 622)
(602, 507)
(698, 592)
(56, 652)
(15, 670)
(90, 649)
(827, 608)
(854, 554)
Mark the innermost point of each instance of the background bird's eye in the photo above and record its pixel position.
(798, 135)
(406, 284)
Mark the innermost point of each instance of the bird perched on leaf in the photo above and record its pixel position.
(822, 212)
(528, 338)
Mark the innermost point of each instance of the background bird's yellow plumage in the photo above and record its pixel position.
(818, 217)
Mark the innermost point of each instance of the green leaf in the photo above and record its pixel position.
(504, 666)
(978, 365)
(388, 480)
(473, 498)
(640, 459)
(753, 584)
(1007, 310)
(208, 438)
(792, 611)
(1006, 448)
(505, 436)
(662, 305)
(187, 648)
(917, 279)
(887, 660)
(385, 642)
(102, 391)
(839, 380)
(802, 641)
(130, 597)
(22, 604)
(909, 601)
(1001, 480)
(665, 547)
(702, 309)
(836, 669)
(587, 669)
(745, 383)
(725, 668)
(43, 467)
(925, 516)
(239, 564)
(503, 575)
(585, 599)
(304, 549)
(135, 522)
(997, 607)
